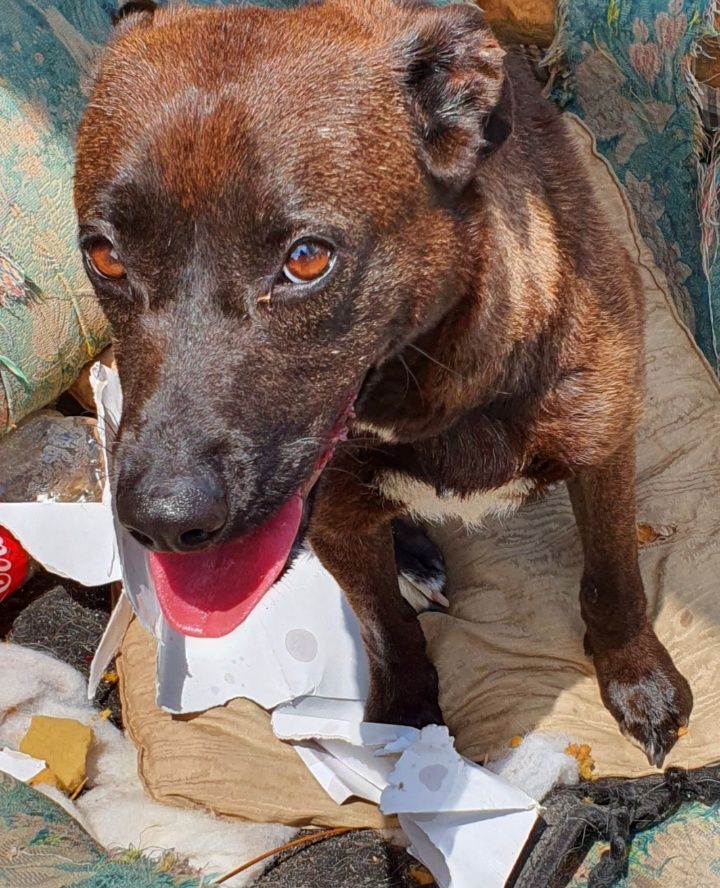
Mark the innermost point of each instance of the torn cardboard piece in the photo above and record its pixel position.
(19, 765)
(466, 824)
(333, 772)
(75, 540)
(72, 540)
(301, 639)
(431, 777)
(319, 718)
(468, 850)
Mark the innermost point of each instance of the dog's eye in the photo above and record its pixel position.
(307, 261)
(104, 259)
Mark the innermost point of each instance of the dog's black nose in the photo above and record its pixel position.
(177, 515)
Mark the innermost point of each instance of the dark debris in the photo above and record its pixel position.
(611, 810)
(64, 620)
(357, 859)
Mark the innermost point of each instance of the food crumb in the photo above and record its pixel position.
(586, 763)
(420, 875)
(651, 533)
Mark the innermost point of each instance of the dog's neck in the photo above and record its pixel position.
(492, 341)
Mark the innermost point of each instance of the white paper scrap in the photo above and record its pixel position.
(105, 384)
(331, 719)
(20, 766)
(467, 825)
(109, 643)
(73, 540)
(431, 777)
(301, 639)
(338, 780)
(468, 850)
(362, 760)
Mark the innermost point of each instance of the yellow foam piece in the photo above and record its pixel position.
(63, 744)
(46, 776)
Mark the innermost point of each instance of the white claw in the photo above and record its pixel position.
(420, 594)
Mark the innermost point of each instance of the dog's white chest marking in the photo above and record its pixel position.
(423, 502)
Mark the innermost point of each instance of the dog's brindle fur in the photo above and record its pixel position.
(478, 295)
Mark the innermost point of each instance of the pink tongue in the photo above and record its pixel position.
(208, 594)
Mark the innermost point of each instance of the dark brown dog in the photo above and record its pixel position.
(288, 213)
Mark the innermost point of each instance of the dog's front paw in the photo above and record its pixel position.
(646, 694)
(409, 698)
(420, 566)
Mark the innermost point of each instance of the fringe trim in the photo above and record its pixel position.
(706, 146)
(708, 197)
(555, 57)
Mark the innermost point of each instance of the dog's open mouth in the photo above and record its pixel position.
(209, 593)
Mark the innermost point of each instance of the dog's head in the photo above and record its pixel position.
(271, 203)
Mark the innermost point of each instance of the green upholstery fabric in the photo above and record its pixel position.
(50, 324)
(41, 845)
(683, 850)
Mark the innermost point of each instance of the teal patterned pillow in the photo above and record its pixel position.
(684, 850)
(50, 324)
(626, 70)
(41, 844)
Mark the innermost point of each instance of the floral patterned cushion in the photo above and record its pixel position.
(625, 68)
(684, 850)
(41, 845)
(50, 324)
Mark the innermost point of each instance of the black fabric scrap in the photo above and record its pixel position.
(610, 810)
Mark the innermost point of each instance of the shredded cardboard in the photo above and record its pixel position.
(22, 767)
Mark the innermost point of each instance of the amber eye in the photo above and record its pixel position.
(307, 261)
(104, 259)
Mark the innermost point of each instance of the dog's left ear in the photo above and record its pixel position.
(459, 98)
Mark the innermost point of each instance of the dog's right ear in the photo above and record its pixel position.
(132, 14)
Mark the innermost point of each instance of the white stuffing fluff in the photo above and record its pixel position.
(537, 764)
(115, 809)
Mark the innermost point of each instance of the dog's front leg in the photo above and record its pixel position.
(351, 534)
(639, 683)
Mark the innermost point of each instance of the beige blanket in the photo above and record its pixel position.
(509, 650)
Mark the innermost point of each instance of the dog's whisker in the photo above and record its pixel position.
(412, 376)
(434, 360)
